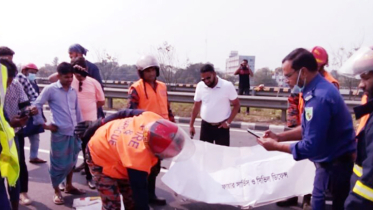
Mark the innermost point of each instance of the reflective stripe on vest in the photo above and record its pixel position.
(9, 165)
(363, 190)
(358, 170)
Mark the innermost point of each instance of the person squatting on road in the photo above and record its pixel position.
(327, 133)
(122, 150)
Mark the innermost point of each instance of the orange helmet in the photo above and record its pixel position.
(320, 55)
(164, 138)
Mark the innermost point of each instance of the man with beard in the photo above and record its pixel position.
(361, 194)
(214, 97)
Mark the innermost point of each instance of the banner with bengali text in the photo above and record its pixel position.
(240, 176)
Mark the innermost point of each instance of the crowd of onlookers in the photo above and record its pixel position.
(75, 95)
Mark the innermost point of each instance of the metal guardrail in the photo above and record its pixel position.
(255, 91)
(183, 97)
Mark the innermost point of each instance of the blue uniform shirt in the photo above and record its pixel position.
(327, 128)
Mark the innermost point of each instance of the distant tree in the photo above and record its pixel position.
(264, 76)
(48, 69)
(339, 57)
(166, 56)
(107, 64)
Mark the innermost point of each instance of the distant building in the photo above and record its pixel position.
(234, 61)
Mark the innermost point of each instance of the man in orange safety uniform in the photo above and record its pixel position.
(124, 148)
(149, 94)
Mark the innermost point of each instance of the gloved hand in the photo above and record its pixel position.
(86, 129)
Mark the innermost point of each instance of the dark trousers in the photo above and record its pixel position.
(244, 91)
(331, 178)
(88, 174)
(211, 133)
(23, 174)
(4, 202)
(152, 177)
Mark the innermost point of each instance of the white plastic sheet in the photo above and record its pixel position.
(244, 176)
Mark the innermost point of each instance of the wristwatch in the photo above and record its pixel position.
(227, 123)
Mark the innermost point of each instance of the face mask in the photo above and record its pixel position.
(31, 76)
(296, 89)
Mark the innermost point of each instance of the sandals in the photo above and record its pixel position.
(58, 200)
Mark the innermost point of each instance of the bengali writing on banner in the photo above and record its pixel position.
(240, 176)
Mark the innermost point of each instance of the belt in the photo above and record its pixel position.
(348, 157)
(214, 124)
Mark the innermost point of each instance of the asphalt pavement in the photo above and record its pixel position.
(41, 191)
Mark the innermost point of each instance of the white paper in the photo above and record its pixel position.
(244, 176)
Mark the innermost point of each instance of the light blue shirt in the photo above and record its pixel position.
(64, 106)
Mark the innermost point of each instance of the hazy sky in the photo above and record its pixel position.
(200, 31)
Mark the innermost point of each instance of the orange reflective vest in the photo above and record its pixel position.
(119, 145)
(329, 78)
(363, 119)
(152, 100)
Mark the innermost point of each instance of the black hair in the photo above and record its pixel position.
(245, 60)
(65, 68)
(79, 61)
(6, 51)
(300, 58)
(207, 68)
(11, 67)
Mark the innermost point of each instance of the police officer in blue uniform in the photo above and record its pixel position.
(327, 134)
(361, 194)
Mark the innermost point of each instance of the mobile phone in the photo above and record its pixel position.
(253, 133)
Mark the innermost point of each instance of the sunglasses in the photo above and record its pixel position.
(207, 78)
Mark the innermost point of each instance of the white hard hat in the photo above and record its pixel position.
(359, 63)
(146, 61)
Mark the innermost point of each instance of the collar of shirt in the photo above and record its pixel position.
(364, 109)
(218, 85)
(59, 85)
(310, 86)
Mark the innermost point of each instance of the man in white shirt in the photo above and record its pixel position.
(214, 97)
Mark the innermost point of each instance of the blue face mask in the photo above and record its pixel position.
(31, 77)
(296, 89)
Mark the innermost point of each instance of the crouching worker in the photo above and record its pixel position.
(121, 153)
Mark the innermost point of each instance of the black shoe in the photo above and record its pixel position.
(91, 184)
(157, 201)
(289, 202)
